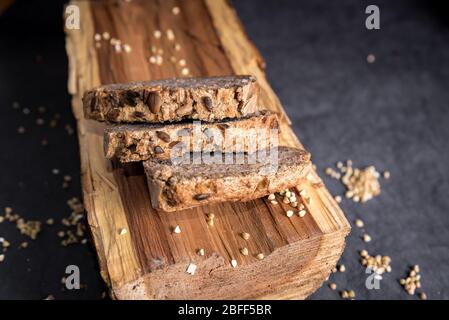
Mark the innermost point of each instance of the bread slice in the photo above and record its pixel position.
(206, 98)
(137, 142)
(180, 186)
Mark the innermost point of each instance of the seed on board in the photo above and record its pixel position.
(50, 221)
(386, 175)
(97, 37)
(363, 253)
(177, 47)
(122, 231)
(170, 35)
(302, 213)
(191, 269)
(175, 10)
(274, 202)
(260, 256)
(185, 71)
(2, 257)
(157, 34)
(423, 296)
(338, 199)
(359, 223)
(245, 235)
(210, 219)
(200, 252)
(127, 48)
(342, 268)
(106, 35)
(333, 286)
(177, 229)
(271, 197)
(152, 59)
(289, 213)
(234, 263)
(244, 251)
(21, 129)
(366, 237)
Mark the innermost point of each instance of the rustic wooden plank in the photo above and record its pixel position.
(150, 261)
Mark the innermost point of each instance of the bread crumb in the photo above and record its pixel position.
(191, 269)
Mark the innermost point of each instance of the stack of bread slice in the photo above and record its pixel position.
(202, 140)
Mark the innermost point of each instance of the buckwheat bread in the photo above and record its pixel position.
(168, 100)
(177, 187)
(138, 142)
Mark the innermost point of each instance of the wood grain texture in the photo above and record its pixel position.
(149, 261)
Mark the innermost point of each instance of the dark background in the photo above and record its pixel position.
(392, 114)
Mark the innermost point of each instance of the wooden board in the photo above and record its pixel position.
(149, 262)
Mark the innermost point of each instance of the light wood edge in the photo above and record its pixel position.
(100, 192)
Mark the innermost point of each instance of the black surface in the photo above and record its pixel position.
(392, 114)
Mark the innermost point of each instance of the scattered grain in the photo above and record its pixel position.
(176, 11)
(366, 238)
(177, 230)
(244, 251)
(379, 264)
(122, 231)
(234, 263)
(201, 252)
(245, 235)
(260, 256)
